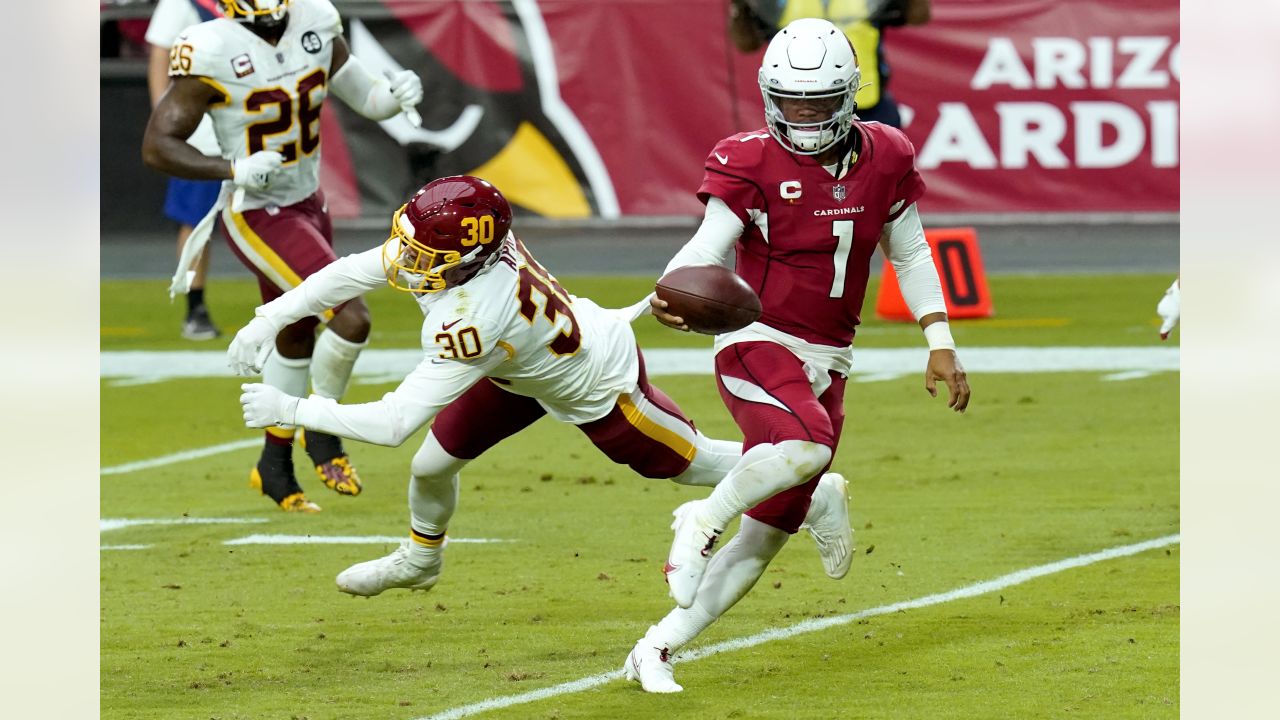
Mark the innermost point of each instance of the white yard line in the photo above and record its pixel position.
(813, 625)
(138, 366)
(870, 365)
(340, 540)
(183, 456)
(105, 524)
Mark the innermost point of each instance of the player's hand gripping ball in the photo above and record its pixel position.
(711, 299)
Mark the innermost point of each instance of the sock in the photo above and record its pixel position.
(195, 298)
(712, 462)
(432, 501)
(331, 364)
(275, 465)
(289, 375)
(425, 549)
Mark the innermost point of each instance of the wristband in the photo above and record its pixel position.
(938, 335)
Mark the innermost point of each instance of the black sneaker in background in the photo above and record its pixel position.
(198, 325)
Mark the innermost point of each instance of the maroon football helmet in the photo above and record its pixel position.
(451, 229)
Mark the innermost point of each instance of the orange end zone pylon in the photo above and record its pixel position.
(964, 281)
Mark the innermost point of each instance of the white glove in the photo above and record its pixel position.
(406, 88)
(1169, 309)
(265, 406)
(255, 171)
(251, 347)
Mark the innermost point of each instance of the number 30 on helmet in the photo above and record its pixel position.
(449, 230)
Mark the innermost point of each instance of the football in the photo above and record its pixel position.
(711, 299)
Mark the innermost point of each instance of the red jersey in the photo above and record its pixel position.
(808, 238)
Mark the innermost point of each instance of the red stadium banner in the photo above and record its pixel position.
(1043, 105)
(581, 108)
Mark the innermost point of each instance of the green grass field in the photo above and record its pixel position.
(1042, 468)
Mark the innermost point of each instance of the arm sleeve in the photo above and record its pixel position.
(364, 92)
(332, 285)
(913, 263)
(715, 237)
(400, 413)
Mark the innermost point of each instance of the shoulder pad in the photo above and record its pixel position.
(739, 153)
(318, 15)
(206, 46)
(889, 139)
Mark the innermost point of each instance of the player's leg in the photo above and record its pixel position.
(484, 416)
(788, 438)
(286, 370)
(187, 202)
(336, 349)
(821, 504)
(729, 576)
(283, 246)
(647, 431)
(271, 244)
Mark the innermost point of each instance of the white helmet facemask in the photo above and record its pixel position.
(811, 59)
(262, 12)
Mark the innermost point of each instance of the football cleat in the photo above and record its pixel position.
(651, 667)
(690, 551)
(828, 522)
(199, 326)
(392, 571)
(338, 475)
(292, 501)
(332, 465)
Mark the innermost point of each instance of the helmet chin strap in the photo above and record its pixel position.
(850, 147)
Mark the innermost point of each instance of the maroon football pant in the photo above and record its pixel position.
(645, 430)
(282, 247)
(764, 386)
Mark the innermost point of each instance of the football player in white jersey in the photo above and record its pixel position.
(504, 344)
(262, 73)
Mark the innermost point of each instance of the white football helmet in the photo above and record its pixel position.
(809, 58)
(262, 12)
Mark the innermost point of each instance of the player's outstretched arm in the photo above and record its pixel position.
(341, 280)
(389, 421)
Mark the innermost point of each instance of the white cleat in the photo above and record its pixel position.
(828, 522)
(651, 667)
(690, 552)
(393, 571)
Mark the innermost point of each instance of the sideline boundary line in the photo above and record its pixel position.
(813, 625)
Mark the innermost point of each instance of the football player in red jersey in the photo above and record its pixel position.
(804, 200)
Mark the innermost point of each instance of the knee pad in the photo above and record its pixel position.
(805, 458)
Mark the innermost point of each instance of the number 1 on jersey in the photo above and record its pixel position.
(843, 230)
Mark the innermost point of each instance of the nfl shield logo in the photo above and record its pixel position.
(839, 192)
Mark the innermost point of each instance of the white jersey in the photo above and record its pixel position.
(270, 94)
(512, 323)
(168, 21)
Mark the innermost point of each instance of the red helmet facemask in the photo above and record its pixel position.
(451, 229)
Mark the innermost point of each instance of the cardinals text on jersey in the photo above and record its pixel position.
(809, 236)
